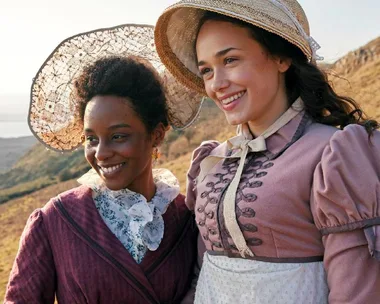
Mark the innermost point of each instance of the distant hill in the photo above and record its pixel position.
(360, 71)
(12, 149)
(360, 77)
(41, 167)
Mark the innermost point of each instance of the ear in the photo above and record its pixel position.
(283, 64)
(158, 134)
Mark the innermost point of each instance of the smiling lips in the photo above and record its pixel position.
(232, 98)
(110, 170)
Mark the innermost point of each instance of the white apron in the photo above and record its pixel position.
(225, 280)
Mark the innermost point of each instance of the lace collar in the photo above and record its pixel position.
(138, 224)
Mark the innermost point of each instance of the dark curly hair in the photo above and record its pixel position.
(305, 79)
(129, 77)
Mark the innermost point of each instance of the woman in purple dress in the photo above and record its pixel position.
(125, 235)
(289, 209)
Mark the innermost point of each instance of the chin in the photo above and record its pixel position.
(234, 121)
(114, 186)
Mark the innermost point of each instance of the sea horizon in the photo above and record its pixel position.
(14, 129)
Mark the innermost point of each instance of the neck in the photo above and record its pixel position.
(274, 110)
(144, 184)
(149, 190)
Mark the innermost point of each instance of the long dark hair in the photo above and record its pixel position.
(305, 79)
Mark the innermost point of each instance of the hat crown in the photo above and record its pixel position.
(177, 27)
(298, 12)
(292, 5)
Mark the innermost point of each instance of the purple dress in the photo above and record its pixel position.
(312, 195)
(68, 252)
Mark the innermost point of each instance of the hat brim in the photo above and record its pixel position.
(177, 27)
(53, 117)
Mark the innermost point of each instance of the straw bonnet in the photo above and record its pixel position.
(177, 27)
(53, 113)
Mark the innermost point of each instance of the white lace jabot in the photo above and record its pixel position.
(138, 224)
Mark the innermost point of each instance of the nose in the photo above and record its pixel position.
(219, 81)
(103, 151)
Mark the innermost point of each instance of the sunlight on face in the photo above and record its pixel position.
(242, 79)
(117, 145)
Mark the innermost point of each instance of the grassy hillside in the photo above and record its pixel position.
(39, 168)
(176, 149)
(13, 216)
(359, 77)
(42, 166)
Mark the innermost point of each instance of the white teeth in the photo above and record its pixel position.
(110, 169)
(232, 98)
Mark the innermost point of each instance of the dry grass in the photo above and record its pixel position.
(363, 86)
(359, 77)
(13, 216)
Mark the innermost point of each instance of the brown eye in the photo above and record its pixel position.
(119, 137)
(229, 60)
(91, 140)
(204, 71)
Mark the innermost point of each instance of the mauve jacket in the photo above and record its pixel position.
(67, 251)
(313, 194)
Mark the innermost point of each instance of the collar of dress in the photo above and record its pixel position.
(137, 223)
(241, 145)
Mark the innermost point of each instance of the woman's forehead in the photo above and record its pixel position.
(110, 109)
(217, 36)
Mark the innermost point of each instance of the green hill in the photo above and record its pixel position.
(40, 167)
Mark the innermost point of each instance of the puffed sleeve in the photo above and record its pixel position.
(32, 279)
(345, 203)
(199, 154)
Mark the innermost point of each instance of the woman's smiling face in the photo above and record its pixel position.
(117, 144)
(243, 80)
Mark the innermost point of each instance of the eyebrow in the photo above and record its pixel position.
(118, 126)
(219, 54)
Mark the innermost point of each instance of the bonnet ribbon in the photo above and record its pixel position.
(243, 147)
(314, 46)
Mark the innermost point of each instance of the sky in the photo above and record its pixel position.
(30, 30)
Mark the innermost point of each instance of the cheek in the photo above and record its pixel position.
(257, 75)
(210, 93)
(89, 154)
(126, 151)
(270, 75)
(264, 84)
(132, 149)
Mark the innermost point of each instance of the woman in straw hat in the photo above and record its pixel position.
(125, 235)
(289, 209)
